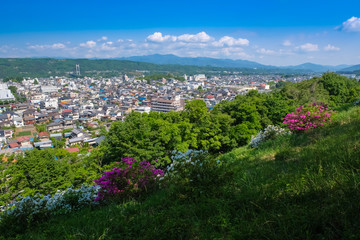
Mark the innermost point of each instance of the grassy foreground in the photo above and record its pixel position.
(296, 187)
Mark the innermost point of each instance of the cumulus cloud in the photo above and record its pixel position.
(199, 37)
(230, 41)
(351, 25)
(158, 37)
(88, 44)
(190, 38)
(286, 43)
(308, 47)
(330, 47)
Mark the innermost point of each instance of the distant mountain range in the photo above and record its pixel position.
(228, 63)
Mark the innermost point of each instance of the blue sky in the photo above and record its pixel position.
(277, 32)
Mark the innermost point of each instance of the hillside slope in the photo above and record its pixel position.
(302, 186)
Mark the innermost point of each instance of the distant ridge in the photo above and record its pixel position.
(198, 61)
(214, 62)
(351, 69)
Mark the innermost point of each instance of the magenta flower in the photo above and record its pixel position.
(312, 116)
(132, 180)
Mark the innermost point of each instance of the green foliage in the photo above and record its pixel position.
(18, 97)
(14, 79)
(58, 143)
(155, 135)
(40, 127)
(44, 172)
(66, 130)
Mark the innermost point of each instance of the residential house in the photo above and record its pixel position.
(68, 123)
(44, 136)
(29, 116)
(18, 121)
(42, 118)
(56, 126)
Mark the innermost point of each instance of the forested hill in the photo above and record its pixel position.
(45, 67)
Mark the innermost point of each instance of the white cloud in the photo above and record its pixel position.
(286, 43)
(107, 47)
(53, 46)
(330, 47)
(103, 38)
(230, 41)
(308, 47)
(190, 38)
(158, 37)
(351, 25)
(199, 37)
(58, 46)
(88, 44)
(266, 51)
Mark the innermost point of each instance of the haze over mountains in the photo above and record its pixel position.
(204, 61)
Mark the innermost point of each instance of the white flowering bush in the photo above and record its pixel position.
(28, 209)
(270, 132)
(193, 172)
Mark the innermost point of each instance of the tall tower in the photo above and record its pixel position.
(77, 69)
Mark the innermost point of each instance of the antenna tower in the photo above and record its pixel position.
(77, 69)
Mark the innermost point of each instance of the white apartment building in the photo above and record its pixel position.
(49, 89)
(166, 104)
(5, 93)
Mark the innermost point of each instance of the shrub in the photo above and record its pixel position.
(269, 133)
(195, 172)
(18, 215)
(133, 179)
(312, 116)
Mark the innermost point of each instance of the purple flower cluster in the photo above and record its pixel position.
(134, 178)
(313, 116)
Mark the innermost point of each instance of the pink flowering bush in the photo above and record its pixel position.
(130, 180)
(312, 116)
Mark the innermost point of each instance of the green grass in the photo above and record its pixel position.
(304, 186)
(25, 133)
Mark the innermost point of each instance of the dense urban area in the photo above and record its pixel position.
(38, 111)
